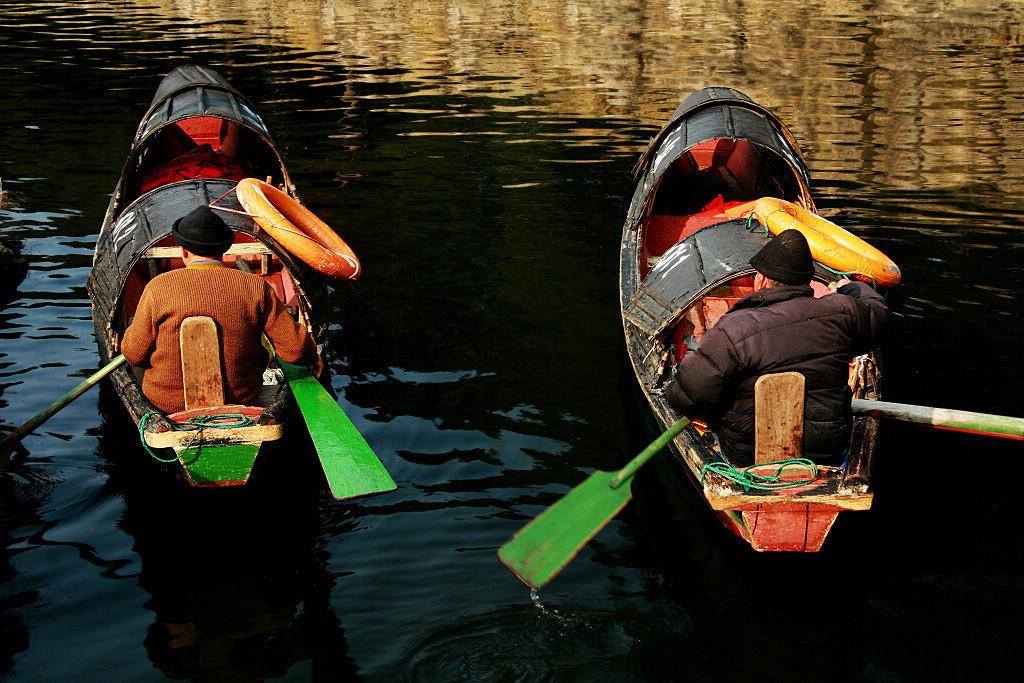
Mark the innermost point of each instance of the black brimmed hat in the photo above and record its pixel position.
(786, 259)
(203, 232)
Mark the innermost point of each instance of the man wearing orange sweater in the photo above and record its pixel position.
(242, 304)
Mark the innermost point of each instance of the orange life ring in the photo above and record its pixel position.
(831, 245)
(297, 229)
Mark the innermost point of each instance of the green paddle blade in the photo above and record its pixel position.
(351, 467)
(543, 547)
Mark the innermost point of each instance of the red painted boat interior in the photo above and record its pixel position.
(200, 147)
(703, 184)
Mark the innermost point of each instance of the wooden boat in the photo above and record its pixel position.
(686, 247)
(199, 137)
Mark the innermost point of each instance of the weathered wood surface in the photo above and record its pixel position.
(779, 417)
(239, 249)
(254, 433)
(200, 363)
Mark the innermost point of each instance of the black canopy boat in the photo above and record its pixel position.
(199, 137)
(717, 181)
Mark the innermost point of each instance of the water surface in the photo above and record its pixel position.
(476, 155)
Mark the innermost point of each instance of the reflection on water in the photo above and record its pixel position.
(476, 155)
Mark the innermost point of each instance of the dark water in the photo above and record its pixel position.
(476, 155)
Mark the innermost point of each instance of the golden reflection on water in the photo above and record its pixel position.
(936, 84)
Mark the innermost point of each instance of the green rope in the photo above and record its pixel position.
(773, 482)
(195, 424)
(874, 282)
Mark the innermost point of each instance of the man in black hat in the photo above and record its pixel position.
(242, 304)
(781, 327)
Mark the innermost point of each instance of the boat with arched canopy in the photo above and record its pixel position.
(687, 241)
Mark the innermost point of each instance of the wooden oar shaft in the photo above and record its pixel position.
(627, 472)
(42, 417)
(958, 420)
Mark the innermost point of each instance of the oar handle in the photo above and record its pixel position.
(627, 472)
(957, 420)
(42, 417)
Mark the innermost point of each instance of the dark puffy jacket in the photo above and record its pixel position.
(781, 329)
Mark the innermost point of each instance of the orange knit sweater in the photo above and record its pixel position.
(243, 306)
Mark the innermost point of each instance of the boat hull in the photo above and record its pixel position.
(196, 113)
(682, 268)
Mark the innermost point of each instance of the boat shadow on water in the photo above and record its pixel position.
(237, 576)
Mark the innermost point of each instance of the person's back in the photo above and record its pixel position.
(781, 328)
(243, 306)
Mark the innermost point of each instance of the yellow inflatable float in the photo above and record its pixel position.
(831, 246)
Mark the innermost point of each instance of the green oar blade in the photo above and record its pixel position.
(541, 548)
(544, 546)
(351, 467)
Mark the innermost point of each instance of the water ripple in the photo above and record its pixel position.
(541, 643)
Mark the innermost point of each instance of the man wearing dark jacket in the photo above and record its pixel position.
(781, 327)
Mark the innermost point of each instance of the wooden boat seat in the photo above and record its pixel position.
(200, 363)
(204, 392)
(778, 417)
(236, 249)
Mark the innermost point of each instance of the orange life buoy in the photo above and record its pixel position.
(830, 244)
(297, 229)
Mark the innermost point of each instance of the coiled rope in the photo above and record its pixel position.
(195, 424)
(772, 482)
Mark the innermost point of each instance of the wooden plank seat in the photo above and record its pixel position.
(238, 253)
(797, 525)
(236, 249)
(778, 436)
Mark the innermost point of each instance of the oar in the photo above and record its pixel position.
(21, 432)
(543, 547)
(955, 420)
(352, 469)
